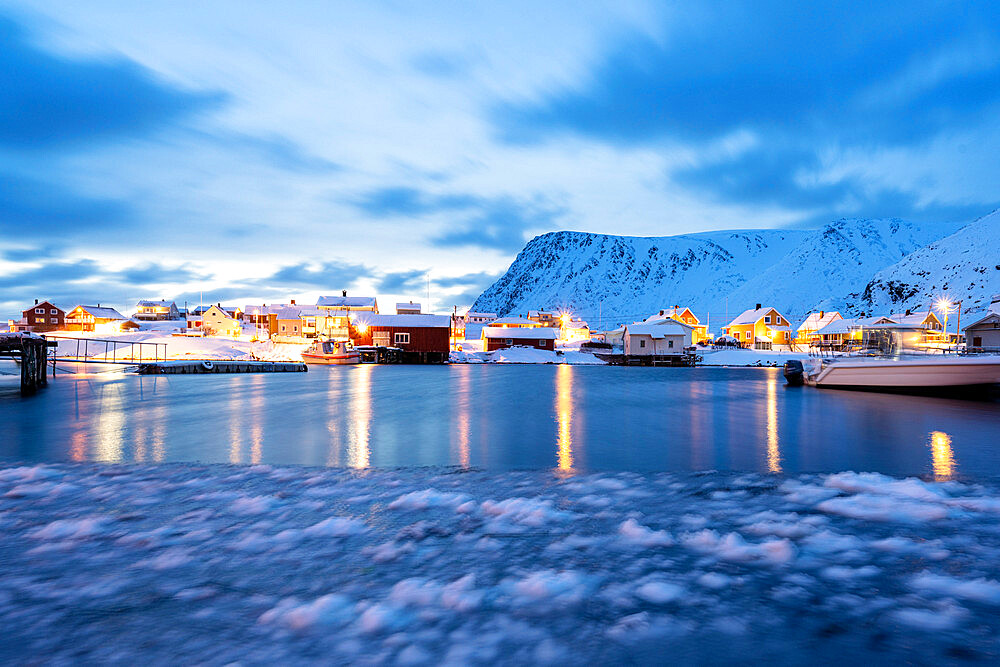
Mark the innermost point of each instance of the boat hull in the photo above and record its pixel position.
(945, 377)
(331, 359)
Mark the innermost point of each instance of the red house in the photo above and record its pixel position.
(42, 317)
(499, 338)
(422, 338)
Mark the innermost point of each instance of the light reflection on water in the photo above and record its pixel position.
(502, 418)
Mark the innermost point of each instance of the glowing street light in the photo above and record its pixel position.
(944, 305)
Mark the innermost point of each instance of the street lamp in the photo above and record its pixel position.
(944, 306)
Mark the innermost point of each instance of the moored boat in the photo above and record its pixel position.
(331, 352)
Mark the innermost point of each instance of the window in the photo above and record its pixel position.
(509, 341)
(282, 327)
(642, 343)
(402, 338)
(736, 335)
(670, 343)
(55, 320)
(53, 312)
(767, 319)
(39, 311)
(977, 341)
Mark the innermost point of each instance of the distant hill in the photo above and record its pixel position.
(610, 280)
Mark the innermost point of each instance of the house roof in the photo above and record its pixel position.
(981, 318)
(162, 304)
(346, 302)
(473, 313)
(913, 318)
(521, 333)
(669, 313)
(101, 312)
(407, 306)
(752, 316)
(517, 321)
(658, 330)
(816, 321)
(403, 321)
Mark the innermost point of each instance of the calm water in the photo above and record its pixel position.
(500, 417)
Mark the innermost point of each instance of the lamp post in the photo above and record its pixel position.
(944, 306)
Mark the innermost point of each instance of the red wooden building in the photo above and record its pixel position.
(500, 338)
(42, 317)
(422, 338)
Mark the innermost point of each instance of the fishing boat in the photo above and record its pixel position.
(331, 352)
(892, 359)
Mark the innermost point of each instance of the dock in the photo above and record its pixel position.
(208, 367)
(31, 353)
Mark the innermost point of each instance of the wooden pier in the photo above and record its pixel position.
(209, 367)
(648, 359)
(31, 352)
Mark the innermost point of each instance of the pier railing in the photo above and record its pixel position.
(105, 351)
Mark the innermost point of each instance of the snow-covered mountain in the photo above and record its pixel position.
(963, 266)
(610, 280)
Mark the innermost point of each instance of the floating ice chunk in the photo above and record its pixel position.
(715, 580)
(659, 592)
(876, 483)
(388, 551)
(933, 620)
(28, 473)
(252, 505)
(336, 526)
(982, 590)
(883, 508)
(330, 609)
(805, 494)
(70, 529)
(37, 490)
(565, 587)
(843, 573)
(733, 547)
(414, 654)
(532, 512)
(633, 532)
(384, 617)
(421, 500)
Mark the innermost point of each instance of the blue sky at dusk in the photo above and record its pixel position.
(263, 151)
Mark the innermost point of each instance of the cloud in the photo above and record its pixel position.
(479, 278)
(805, 79)
(444, 64)
(500, 225)
(273, 150)
(49, 101)
(34, 209)
(401, 282)
(400, 201)
(327, 275)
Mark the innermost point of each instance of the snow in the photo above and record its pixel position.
(210, 564)
(243, 348)
(743, 357)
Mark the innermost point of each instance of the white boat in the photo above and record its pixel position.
(886, 364)
(331, 352)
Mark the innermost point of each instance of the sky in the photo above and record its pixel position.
(254, 152)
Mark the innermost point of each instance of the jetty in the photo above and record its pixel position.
(31, 353)
(194, 367)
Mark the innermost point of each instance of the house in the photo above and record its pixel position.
(89, 318)
(422, 338)
(684, 315)
(289, 321)
(408, 308)
(544, 318)
(344, 302)
(41, 317)
(472, 317)
(264, 317)
(925, 319)
(665, 338)
(574, 329)
(155, 311)
(218, 321)
(514, 322)
(538, 337)
(843, 331)
(760, 328)
(805, 334)
(984, 332)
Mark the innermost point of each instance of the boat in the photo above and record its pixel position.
(888, 362)
(331, 352)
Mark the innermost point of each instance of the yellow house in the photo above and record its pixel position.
(685, 316)
(760, 328)
(217, 322)
(806, 333)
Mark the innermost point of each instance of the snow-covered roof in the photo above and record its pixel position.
(473, 313)
(980, 318)
(577, 324)
(816, 321)
(669, 313)
(516, 321)
(156, 304)
(407, 306)
(289, 313)
(752, 315)
(842, 326)
(402, 321)
(103, 313)
(346, 302)
(658, 330)
(539, 333)
(913, 318)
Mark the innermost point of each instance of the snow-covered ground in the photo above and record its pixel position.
(526, 355)
(743, 357)
(219, 564)
(178, 347)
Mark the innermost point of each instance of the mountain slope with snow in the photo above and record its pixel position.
(610, 280)
(963, 266)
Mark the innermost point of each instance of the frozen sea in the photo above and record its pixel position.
(469, 515)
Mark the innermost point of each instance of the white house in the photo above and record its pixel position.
(984, 332)
(219, 322)
(665, 338)
(409, 308)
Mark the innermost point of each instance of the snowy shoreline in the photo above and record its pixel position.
(215, 563)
